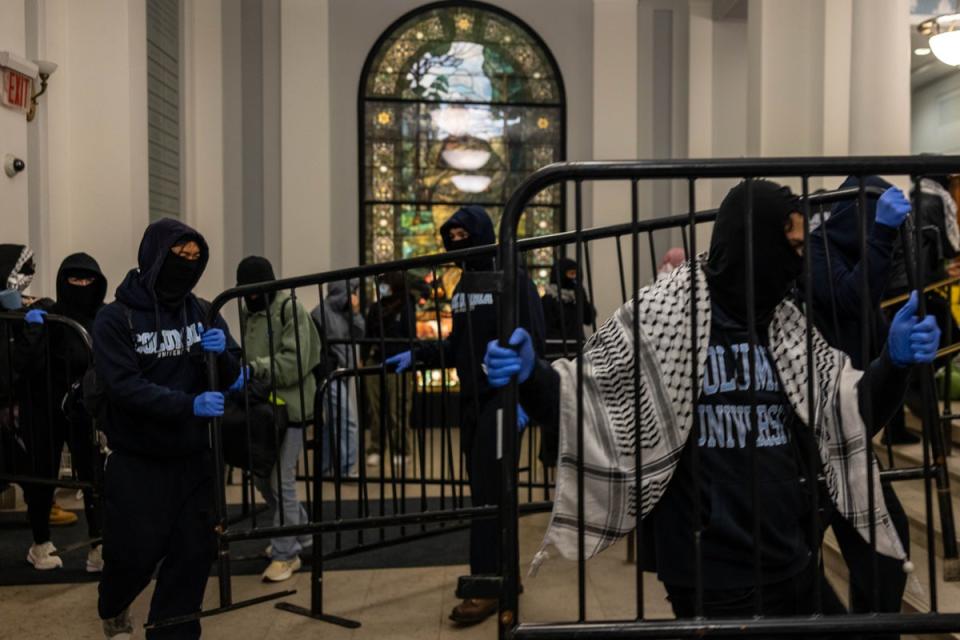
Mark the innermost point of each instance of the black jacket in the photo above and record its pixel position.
(150, 359)
(466, 345)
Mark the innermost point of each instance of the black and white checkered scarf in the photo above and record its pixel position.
(666, 414)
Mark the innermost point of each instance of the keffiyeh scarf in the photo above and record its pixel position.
(666, 412)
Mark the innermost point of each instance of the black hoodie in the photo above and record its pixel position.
(151, 384)
(837, 269)
(466, 345)
(560, 309)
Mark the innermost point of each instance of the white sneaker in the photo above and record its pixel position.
(42, 558)
(119, 628)
(373, 460)
(402, 463)
(95, 559)
(280, 570)
(268, 552)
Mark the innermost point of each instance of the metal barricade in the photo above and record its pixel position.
(40, 411)
(690, 173)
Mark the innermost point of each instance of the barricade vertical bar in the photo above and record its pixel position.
(813, 462)
(558, 278)
(695, 393)
(929, 431)
(301, 376)
(752, 392)
(623, 279)
(216, 443)
(589, 270)
(866, 314)
(445, 435)
(638, 431)
(246, 413)
(384, 400)
(581, 532)
(274, 398)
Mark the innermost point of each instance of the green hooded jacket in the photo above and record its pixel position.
(285, 370)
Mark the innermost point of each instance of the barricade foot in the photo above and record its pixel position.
(323, 617)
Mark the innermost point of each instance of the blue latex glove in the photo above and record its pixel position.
(502, 363)
(214, 341)
(241, 379)
(892, 208)
(522, 419)
(400, 362)
(912, 341)
(35, 316)
(208, 404)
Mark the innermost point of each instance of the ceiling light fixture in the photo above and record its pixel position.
(944, 34)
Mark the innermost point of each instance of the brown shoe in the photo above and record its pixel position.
(474, 610)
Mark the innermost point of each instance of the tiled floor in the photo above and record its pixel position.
(390, 603)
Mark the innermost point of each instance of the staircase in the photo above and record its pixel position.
(911, 494)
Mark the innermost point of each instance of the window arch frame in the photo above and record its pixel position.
(372, 54)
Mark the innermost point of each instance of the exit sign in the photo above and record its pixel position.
(17, 89)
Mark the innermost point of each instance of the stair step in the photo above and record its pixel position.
(917, 595)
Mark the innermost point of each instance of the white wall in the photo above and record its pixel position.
(13, 133)
(936, 117)
(307, 232)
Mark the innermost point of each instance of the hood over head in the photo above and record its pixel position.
(254, 270)
(16, 266)
(338, 294)
(559, 270)
(80, 301)
(843, 225)
(478, 224)
(139, 288)
(776, 265)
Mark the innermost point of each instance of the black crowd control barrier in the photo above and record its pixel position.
(377, 454)
(41, 410)
(691, 174)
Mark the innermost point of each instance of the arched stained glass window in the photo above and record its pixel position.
(459, 102)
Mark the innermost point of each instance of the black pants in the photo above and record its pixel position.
(478, 433)
(158, 512)
(891, 580)
(43, 461)
(791, 597)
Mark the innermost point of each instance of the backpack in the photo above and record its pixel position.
(259, 450)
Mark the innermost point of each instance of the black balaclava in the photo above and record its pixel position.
(776, 264)
(559, 272)
(251, 270)
(83, 300)
(177, 276)
(477, 223)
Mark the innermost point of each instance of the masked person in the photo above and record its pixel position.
(734, 417)
(150, 348)
(560, 309)
(271, 345)
(81, 288)
(837, 282)
(390, 398)
(339, 319)
(475, 318)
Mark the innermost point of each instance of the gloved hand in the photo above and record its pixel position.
(912, 341)
(522, 419)
(208, 404)
(35, 316)
(400, 362)
(241, 379)
(892, 208)
(214, 341)
(502, 363)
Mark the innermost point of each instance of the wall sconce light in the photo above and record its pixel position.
(46, 70)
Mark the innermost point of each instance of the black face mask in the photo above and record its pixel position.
(472, 264)
(81, 300)
(776, 264)
(255, 305)
(176, 279)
